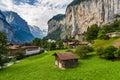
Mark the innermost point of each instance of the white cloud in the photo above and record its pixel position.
(39, 13)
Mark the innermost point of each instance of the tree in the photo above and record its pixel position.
(52, 46)
(3, 49)
(60, 44)
(92, 32)
(83, 50)
(102, 35)
(36, 42)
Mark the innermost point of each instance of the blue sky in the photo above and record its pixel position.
(36, 12)
(31, 2)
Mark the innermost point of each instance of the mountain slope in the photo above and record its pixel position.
(80, 14)
(37, 33)
(19, 26)
(5, 27)
(56, 27)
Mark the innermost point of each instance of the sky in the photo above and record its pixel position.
(35, 12)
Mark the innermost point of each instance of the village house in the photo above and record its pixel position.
(65, 60)
(85, 43)
(30, 50)
(114, 34)
(27, 50)
(71, 44)
(13, 49)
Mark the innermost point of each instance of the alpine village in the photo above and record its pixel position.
(83, 43)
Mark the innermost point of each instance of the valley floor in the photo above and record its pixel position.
(41, 67)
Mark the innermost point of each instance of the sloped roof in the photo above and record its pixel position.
(29, 47)
(66, 55)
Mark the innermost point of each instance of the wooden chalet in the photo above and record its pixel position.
(13, 49)
(113, 34)
(27, 50)
(65, 60)
(72, 44)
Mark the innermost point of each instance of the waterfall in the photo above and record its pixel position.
(73, 23)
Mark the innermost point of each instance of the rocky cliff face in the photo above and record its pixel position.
(81, 14)
(56, 27)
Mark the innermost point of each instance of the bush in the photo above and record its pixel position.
(107, 53)
(83, 50)
(117, 53)
(20, 55)
(100, 52)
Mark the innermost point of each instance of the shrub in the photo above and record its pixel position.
(83, 50)
(20, 55)
(117, 53)
(100, 52)
(107, 53)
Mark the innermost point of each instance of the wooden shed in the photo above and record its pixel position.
(65, 60)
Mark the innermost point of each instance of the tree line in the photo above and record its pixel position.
(99, 32)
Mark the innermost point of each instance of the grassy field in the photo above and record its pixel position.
(41, 67)
(105, 43)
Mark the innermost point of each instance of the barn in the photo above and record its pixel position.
(66, 60)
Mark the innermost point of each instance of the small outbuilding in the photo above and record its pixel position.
(114, 34)
(66, 60)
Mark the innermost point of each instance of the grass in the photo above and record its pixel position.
(105, 43)
(41, 67)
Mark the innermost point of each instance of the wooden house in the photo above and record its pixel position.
(71, 44)
(85, 43)
(27, 50)
(31, 50)
(65, 60)
(13, 49)
(114, 34)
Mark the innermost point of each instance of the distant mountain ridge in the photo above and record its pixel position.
(16, 28)
(37, 33)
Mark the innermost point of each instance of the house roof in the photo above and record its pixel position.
(66, 55)
(14, 47)
(29, 47)
(84, 43)
(113, 33)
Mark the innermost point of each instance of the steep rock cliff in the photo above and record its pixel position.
(80, 14)
(56, 27)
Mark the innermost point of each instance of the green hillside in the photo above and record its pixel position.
(41, 67)
(105, 43)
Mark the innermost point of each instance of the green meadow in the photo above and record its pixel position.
(41, 67)
(104, 43)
